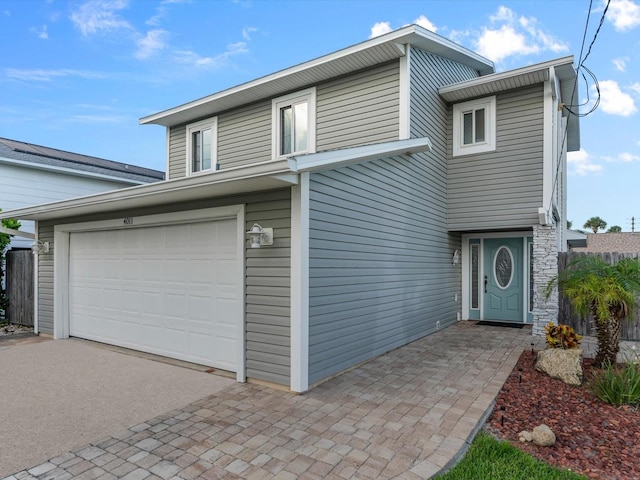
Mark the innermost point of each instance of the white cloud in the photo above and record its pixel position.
(499, 44)
(247, 31)
(99, 16)
(614, 101)
(380, 28)
(149, 45)
(511, 35)
(424, 22)
(191, 58)
(621, 63)
(40, 33)
(636, 88)
(580, 163)
(39, 75)
(624, 157)
(624, 14)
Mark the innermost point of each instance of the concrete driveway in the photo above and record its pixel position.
(59, 395)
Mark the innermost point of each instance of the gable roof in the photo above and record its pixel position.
(46, 158)
(357, 57)
(494, 83)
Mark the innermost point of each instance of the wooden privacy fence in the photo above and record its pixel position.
(19, 281)
(584, 326)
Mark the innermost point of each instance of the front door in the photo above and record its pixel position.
(503, 280)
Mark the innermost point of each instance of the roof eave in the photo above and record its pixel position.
(356, 57)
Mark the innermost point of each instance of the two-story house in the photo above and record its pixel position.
(324, 214)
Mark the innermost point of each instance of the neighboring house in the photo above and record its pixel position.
(576, 240)
(408, 186)
(32, 174)
(623, 242)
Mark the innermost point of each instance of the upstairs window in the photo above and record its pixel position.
(201, 146)
(293, 128)
(474, 126)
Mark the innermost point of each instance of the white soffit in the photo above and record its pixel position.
(372, 52)
(503, 81)
(338, 158)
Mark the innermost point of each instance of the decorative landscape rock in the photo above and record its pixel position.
(543, 436)
(565, 365)
(525, 436)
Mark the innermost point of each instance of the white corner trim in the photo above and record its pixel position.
(241, 371)
(465, 287)
(36, 261)
(547, 146)
(338, 158)
(60, 284)
(300, 285)
(405, 95)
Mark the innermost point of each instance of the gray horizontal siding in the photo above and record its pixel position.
(268, 294)
(267, 302)
(45, 283)
(501, 189)
(379, 261)
(177, 152)
(359, 109)
(244, 135)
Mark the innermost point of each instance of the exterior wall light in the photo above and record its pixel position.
(456, 257)
(260, 236)
(39, 247)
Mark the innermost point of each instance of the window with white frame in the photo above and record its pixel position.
(201, 145)
(474, 126)
(294, 123)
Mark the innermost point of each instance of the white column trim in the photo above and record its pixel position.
(404, 120)
(36, 261)
(547, 148)
(241, 371)
(300, 285)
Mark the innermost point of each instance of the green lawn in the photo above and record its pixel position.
(490, 459)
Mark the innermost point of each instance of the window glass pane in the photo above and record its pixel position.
(285, 130)
(206, 149)
(301, 129)
(480, 125)
(475, 284)
(195, 152)
(468, 128)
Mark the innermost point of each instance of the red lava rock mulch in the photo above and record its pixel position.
(592, 437)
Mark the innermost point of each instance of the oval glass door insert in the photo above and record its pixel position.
(503, 267)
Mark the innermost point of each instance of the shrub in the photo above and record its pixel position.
(561, 336)
(618, 384)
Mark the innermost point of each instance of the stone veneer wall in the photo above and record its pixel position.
(545, 267)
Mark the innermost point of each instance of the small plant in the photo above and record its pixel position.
(561, 336)
(618, 384)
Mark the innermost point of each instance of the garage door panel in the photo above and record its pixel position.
(172, 290)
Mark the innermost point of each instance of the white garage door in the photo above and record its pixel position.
(173, 290)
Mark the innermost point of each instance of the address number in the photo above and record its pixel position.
(128, 220)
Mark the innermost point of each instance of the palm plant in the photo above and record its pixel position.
(606, 291)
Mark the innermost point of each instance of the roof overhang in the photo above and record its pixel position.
(560, 68)
(258, 177)
(372, 52)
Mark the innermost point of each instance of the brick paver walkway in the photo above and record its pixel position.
(406, 414)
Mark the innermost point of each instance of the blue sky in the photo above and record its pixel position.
(78, 75)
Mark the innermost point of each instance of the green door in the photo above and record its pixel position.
(503, 280)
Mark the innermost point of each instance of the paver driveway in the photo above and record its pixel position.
(61, 394)
(405, 414)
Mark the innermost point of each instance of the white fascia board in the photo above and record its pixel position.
(398, 39)
(338, 158)
(496, 77)
(17, 233)
(182, 189)
(71, 171)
